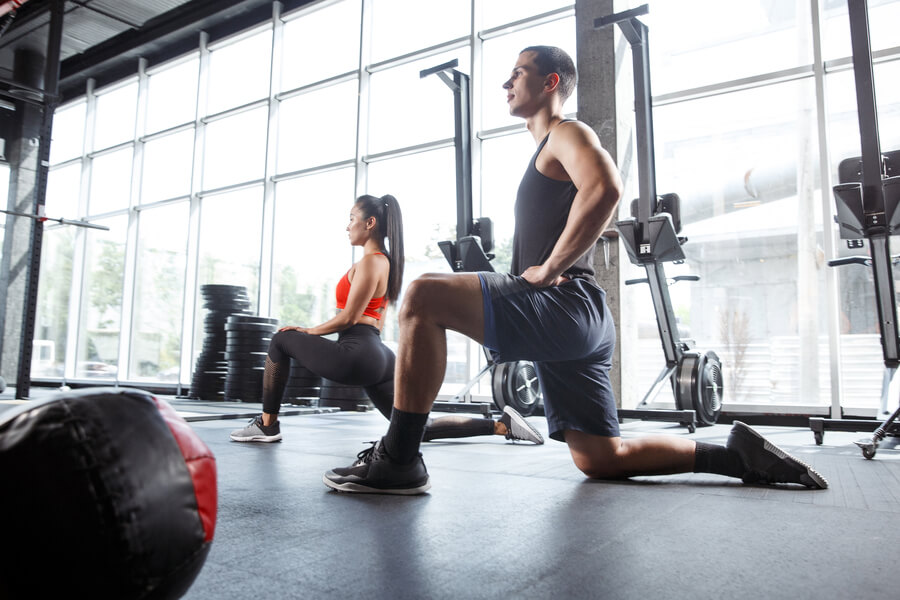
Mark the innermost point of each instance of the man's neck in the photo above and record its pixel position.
(542, 122)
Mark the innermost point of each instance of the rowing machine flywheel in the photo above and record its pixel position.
(516, 384)
(699, 385)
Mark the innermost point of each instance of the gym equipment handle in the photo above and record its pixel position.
(858, 260)
(672, 280)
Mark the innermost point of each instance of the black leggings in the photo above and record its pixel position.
(358, 357)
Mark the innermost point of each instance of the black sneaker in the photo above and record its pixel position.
(375, 473)
(767, 463)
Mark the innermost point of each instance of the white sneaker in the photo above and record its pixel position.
(517, 428)
(255, 431)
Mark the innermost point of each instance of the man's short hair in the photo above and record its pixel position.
(550, 59)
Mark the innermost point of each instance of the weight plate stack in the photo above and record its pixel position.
(345, 397)
(247, 339)
(210, 370)
(303, 386)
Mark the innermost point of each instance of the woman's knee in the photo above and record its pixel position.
(278, 348)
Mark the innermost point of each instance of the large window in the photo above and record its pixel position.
(311, 249)
(155, 352)
(100, 318)
(398, 26)
(235, 149)
(110, 181)
(305, 142)
(739, 141)
(745, 170)
(167, 167)
(116, 116)
(239, 72)
(320, 44)
(424, 113)
(172, 95)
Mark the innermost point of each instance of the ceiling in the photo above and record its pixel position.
(103, 39)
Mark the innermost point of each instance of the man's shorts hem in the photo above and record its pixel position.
(559, 431)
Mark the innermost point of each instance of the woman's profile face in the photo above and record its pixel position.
(359, 227)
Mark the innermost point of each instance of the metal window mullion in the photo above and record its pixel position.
(126, 316)
(189, 304)
(318, 169)
(417, 55)
(476, 83)
(264, 300)
(158, 135)
(235, 110)
(557, 14)
(362, 112)
(79, 251)
(829, 232)
(317, 85)
(407, 150)
(474, 354)
(734, 85)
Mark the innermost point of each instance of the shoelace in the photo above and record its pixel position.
(365, 456)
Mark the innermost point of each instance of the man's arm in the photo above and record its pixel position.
(575, 148)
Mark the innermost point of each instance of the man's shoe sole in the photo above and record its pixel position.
(810, 479)
(358, 488)
(256, 438)
(520, 420)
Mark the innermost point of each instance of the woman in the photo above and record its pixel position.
(359, 357)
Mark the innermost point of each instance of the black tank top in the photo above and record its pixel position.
(542, 207)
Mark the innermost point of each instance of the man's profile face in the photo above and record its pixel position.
(524, 86)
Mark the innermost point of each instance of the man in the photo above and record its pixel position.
(550, 311)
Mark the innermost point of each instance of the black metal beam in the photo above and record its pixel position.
(51, 81)
(877, 226)
(165, 37)
(462, 109)
(637, 35)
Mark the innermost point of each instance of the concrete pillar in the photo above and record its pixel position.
(606, 103)
(22, 145)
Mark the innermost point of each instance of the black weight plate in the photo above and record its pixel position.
(251, 319)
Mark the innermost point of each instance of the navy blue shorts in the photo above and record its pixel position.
(568, 333)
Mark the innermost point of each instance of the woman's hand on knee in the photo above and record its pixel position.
(294, 328)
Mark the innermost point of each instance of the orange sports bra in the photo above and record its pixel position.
(342, 292)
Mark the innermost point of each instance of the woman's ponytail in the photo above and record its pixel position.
(394, 233)
(386, 211)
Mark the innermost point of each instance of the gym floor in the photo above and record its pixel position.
(506, 520)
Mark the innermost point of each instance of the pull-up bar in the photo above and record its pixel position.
(42, 218)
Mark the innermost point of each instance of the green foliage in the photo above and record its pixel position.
(296, 307)
(106, 278)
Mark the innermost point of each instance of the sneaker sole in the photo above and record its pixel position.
(256, 438)
(521, 422)
(813, 478)
(356, 488)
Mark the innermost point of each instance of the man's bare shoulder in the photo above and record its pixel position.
(576, 132)
(571, 138)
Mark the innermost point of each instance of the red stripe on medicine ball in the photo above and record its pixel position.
(200, 462)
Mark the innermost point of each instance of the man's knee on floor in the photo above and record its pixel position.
(597, 457)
